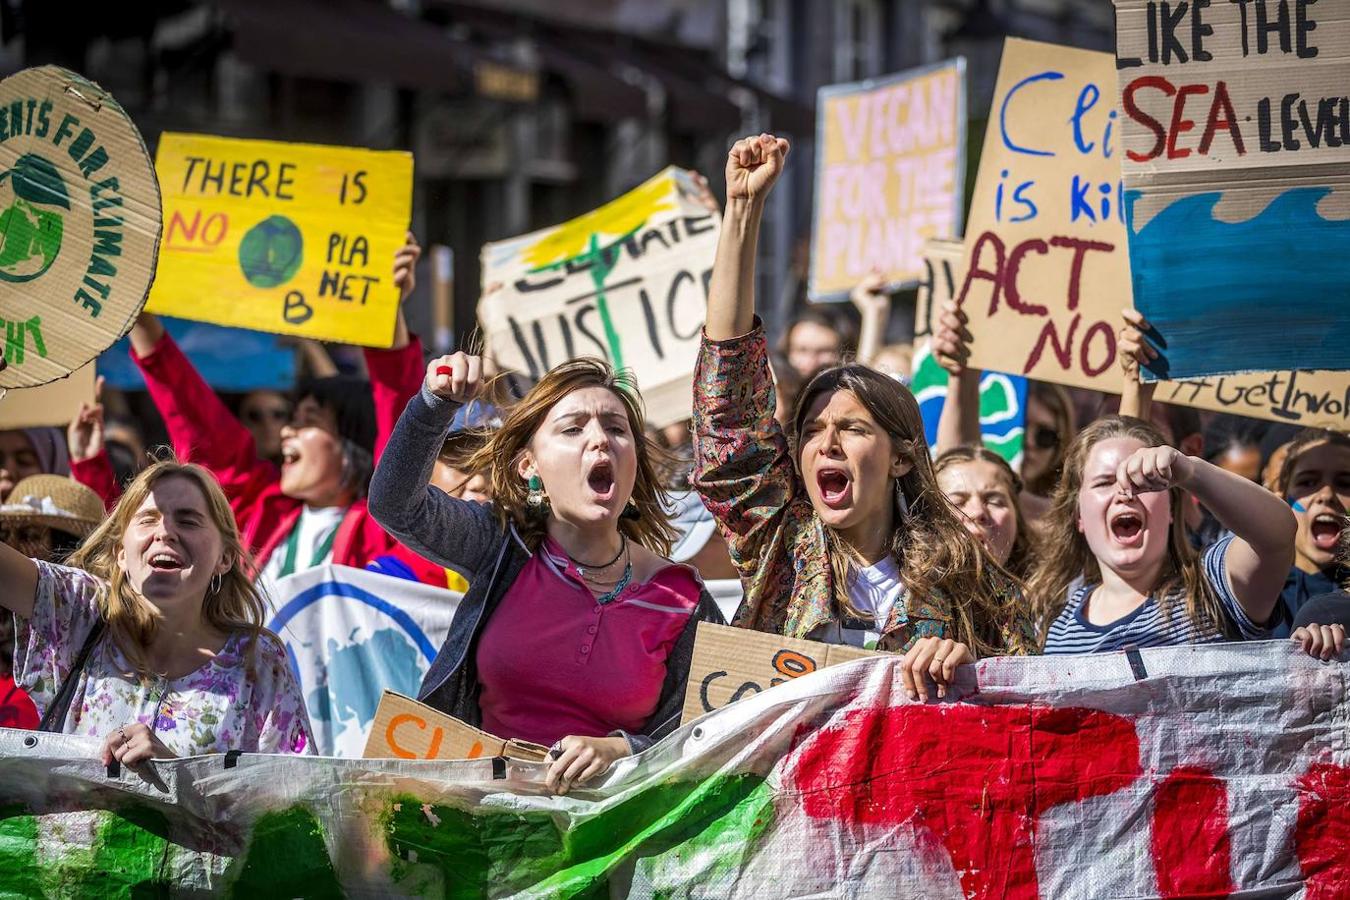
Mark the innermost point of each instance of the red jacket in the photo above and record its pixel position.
(203, 431)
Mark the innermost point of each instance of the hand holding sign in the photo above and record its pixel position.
(753, 165)
(456, 377)
(405, 267)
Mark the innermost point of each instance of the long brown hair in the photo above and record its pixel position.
(1021, 557)
(939, 560)
(1072, 558)
(132, 620)
(500, 456)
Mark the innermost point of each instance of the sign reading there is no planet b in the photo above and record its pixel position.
(294, 239)
(79, 224)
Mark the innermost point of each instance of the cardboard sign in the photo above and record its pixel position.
(406, 729)
(1236, 158)
(1003, 398)
(731, 663)
(1048, 241)
(1046, 265)
(79, 224)
(890, 168)
(53, 403)
(288, 238)
(626, 283)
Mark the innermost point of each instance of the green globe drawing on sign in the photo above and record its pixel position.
(31, 224)
(271, 252)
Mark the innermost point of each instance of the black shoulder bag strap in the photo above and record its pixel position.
(54, 719)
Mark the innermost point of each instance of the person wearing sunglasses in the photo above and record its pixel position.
(1050, 424)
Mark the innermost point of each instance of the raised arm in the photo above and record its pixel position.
(959, 423)
(873, 303)
(1259, 558)
(448, 531)
(753, 165)
(396, 373)
(200, 426)
(1136, 397)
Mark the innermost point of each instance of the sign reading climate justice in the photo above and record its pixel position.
(626, 283)
(79, 224)
(288, 238)
(889, 176)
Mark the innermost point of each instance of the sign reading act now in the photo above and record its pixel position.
(287, 238)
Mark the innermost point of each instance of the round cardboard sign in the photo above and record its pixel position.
(80, 221)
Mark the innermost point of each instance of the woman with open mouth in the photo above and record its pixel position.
(576, 630)
(152, 637)
(1123, 573)
(1315, 481)
(838, 528)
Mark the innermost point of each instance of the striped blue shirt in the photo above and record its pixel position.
(1146, 626)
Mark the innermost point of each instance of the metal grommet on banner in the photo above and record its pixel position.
(698, 732)
(30, 742)
(1136, 663)
(498, 768)
(114, 769)
(232, 758)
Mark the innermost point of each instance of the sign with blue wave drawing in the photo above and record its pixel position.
(1237, 174)
(350, 634)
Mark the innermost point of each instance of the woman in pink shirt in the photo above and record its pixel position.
(576, 630)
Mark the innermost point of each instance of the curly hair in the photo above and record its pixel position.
(1022, 555)
(1182, 575)
(500, 454)
(133, 620)
(938, 559)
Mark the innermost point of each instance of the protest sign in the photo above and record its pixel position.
(1003, 398)
(215, 352)
(1236, 140)
(406, 729)
(79, 227)
(288, 238)
(627, 283)
(1050, 777)
(351, 635)
(1046, 266)
(53, 403)
(731, 663)
(1049, 241)
(890, 169)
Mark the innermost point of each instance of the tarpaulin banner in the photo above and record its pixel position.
(626, 283)
(1189, 771)
(352, 634)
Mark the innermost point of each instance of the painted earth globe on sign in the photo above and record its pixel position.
(33, 197)
(271, 252)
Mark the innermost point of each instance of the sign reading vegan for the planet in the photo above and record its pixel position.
(889, 176)
(1236, 157)
(79, 224)
(288, 238)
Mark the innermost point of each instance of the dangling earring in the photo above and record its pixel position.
(901, 503)
(631, 512)
(215, 584)
(536, 499)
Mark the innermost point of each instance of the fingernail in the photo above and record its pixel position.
(911, 695)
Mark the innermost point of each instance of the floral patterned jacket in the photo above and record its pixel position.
(744, 472)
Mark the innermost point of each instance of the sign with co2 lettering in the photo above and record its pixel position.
(286, 238)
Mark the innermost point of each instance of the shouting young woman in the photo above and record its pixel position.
(576, 631)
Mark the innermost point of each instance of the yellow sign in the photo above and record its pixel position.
(287, 238)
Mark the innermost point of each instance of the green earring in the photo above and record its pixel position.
(536, 497)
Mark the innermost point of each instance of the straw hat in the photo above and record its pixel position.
(56, 502)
